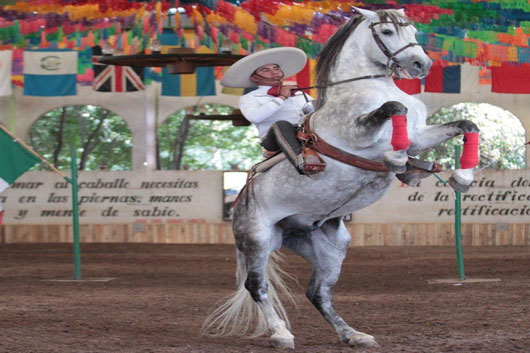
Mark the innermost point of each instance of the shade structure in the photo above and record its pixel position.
(175, 63)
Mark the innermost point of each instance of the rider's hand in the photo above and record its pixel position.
(286, 90)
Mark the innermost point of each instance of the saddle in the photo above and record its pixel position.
(417, 169)
(314, 145)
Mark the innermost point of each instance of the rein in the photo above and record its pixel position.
(329, 84)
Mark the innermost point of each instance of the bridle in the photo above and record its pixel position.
(391, 67)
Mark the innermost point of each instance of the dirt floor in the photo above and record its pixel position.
(160, 295)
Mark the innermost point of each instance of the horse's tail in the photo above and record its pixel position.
(238, 313)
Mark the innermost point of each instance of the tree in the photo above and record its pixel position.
(204, 144)
(502, 136)
(101, 138)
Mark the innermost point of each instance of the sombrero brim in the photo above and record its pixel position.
(291, 61)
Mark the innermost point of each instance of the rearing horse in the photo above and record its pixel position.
(304, 214)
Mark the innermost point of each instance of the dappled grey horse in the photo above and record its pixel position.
(304, 214)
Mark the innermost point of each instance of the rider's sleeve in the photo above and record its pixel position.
(256, 111)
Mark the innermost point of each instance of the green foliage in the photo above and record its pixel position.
(110, 146)
(502, 136)
(209, 144)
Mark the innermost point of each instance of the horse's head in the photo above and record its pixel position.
(394, 43)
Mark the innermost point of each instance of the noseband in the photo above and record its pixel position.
(382, 46)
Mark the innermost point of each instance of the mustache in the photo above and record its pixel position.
(269, 78)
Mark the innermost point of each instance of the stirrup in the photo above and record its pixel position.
(313, 163)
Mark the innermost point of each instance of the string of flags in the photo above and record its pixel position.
(491, 35)
(55, 73)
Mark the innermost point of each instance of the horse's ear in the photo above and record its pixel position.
(401, 12)
(370, 15)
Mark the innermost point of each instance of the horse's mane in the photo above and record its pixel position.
(333, 47)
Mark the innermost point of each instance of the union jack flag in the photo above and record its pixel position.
(114, 78)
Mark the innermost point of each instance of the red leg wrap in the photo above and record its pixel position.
(400, 137)
(469, 157)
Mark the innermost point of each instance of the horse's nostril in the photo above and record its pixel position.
(418, 65)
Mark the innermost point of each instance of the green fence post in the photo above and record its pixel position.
(458, 222)
(75, 214)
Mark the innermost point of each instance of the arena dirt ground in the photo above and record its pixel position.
(160, 295)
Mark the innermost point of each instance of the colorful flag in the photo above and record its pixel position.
(510, 79)
(6, 61)
(50, 72)
(15, 159)
(443, 79)
(409, 86)
(200, 83)
(115, 78)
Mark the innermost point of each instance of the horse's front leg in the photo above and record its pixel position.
(369, 126)
(432, 135)
(325, 249)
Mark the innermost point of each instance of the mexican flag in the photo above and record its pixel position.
(15, 159)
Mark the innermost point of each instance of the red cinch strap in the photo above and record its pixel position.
(469, 157)
(400, 137)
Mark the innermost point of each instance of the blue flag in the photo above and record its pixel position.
(50, 72)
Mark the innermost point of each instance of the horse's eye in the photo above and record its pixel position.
(387, 32)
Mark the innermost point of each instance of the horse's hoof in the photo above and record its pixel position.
(457, 186)
(282, 339)
(413, 177)
(282, 342)
(362, 340)
(396, 161)
(461, 180)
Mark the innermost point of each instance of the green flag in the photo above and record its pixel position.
(15, 159)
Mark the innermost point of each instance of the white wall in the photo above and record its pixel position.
(138, 109)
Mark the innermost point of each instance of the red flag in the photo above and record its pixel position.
(510, 79)
(303, 78)
(409, 86)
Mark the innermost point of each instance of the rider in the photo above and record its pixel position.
(274, 108)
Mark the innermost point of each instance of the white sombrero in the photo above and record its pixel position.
(291, 61)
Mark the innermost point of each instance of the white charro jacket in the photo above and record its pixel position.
(263, 110)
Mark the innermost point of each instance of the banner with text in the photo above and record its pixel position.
(115, 197)
(177, 196)
(495, 197)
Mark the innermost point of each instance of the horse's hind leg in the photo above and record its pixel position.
(257, 249)
(325, 249)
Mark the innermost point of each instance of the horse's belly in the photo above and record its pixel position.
(335, 192)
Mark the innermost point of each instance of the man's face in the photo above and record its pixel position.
(269, 74)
